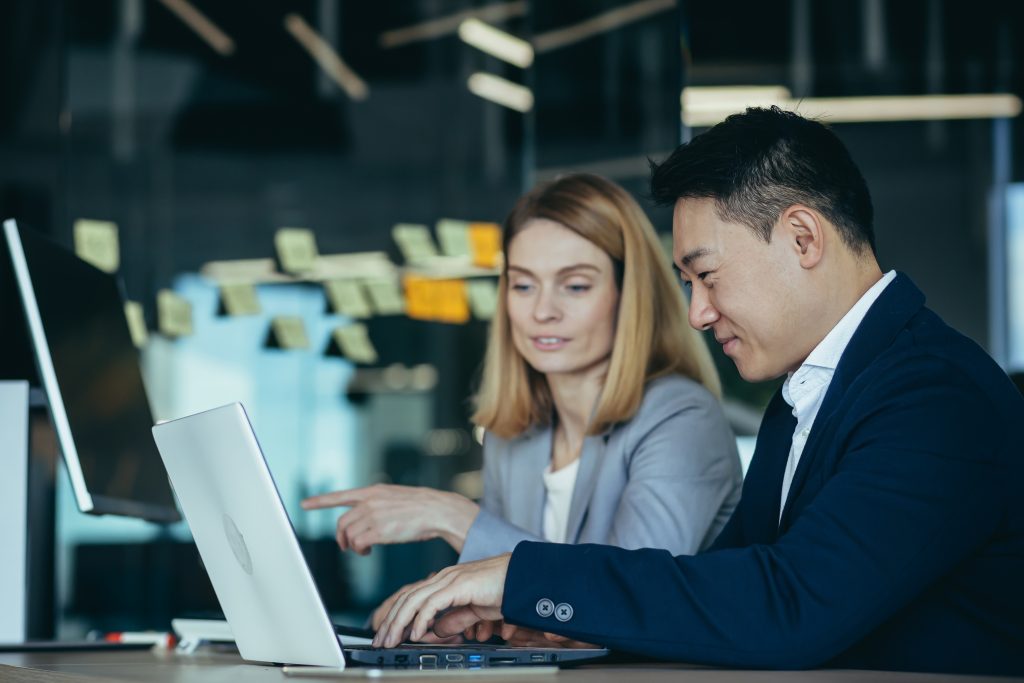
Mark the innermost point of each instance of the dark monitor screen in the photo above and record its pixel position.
(73, 315)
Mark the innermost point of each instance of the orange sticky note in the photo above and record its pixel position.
(439, 300)
(485, 242)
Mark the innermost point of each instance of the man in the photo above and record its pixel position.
(881, 524)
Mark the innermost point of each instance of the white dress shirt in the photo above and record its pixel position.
(805, 389)
(560, 485)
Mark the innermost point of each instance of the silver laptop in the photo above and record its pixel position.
(264, 586)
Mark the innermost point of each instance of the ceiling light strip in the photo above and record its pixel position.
(435, 28)
(324, 55)
(601, 23)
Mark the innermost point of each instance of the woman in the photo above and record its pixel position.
(598, 400)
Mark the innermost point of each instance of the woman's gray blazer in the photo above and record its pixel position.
(668, 478)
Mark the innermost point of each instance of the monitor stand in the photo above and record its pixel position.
(27, 492)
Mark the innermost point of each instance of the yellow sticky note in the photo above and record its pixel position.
(296, 249)
(454, 237)
(354, 342)
(485, 241)
(136, 323)
(174, 314)
(414, 241)
(348, 298)
(240, 299)
(385, 295)
(439, 300)
(483, 298)
(96, 243)
(290, 332)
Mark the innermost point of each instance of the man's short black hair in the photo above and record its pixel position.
(757, 164)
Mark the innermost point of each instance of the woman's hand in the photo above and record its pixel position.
(384, 514)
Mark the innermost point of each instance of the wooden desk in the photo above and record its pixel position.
(212, 667)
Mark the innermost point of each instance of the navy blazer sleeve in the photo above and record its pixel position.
(916, 487)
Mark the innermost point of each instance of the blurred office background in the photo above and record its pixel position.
(202, 127)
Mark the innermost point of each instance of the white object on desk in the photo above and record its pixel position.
(195, 632)
(13, 510)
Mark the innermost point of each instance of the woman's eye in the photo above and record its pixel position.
(578, 288)
(520, 287)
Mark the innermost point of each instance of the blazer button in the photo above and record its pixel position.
(563, 612)
(545, 607)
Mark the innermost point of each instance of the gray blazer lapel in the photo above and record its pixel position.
(586, 480)
(526, 482)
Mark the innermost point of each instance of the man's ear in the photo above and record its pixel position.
(804, 231)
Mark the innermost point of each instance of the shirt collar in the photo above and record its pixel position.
(829, 350)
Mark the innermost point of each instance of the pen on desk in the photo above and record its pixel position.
(159, 639)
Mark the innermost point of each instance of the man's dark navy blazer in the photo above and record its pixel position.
(901, 545)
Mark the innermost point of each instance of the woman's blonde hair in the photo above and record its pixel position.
(652, 336)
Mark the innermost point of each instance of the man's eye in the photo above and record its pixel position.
(578, 289)
(520, 287)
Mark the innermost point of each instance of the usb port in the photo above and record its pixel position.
(537, 658)
(428, 659)
(453, 657)
(476, 658)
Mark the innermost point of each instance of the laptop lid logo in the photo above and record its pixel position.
(237, 544)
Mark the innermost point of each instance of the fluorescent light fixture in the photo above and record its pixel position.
(501, 91)
(706, 106)
(496, 43)
(198, 22)
(442, 26)
(601, 23)
(324, 55)
(910, 108)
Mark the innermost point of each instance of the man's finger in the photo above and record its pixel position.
(457, 620)
(404, 611)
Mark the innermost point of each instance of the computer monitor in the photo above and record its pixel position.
(72, 316)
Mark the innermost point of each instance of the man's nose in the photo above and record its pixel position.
(703, 314)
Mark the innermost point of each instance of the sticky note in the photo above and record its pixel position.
(348, 298)
(354, 343)
(454, 237)
(385, 295)
(174, 314)
(239, 299)
(414, 241)
(289, 332)
(485, 242)
(136, 323)
(96, 243)
(483, 298)
(296, 249)
(438, 300)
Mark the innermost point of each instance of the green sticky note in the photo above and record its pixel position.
(385, 295)
(96, 243)
(348, 298)
(296, 249)
(454, 237)
(174, 314)
(415, 242)
(483, 298)
(290, 332)
(240, 299)
(136, 323)
(354, 342)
